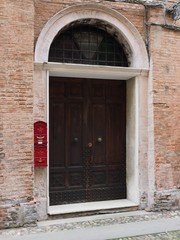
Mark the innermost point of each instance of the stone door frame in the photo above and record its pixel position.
(136, 75)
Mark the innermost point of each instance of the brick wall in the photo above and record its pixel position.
(45, 9)
(21, 23)
(16, 128)
(165, 56)
(166, 59)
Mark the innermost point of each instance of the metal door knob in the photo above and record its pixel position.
(90, 144)
(76, 139)
(99, 139)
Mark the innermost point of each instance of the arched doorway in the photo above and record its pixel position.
(135, 77)
(87, 121)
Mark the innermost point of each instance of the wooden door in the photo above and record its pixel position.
(87, 139)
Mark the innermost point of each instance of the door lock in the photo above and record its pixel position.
(90, 144)
(75, 139)
(99, 139)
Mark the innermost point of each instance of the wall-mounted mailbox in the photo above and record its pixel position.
(40, 144)
(40, 156)
(40, 133)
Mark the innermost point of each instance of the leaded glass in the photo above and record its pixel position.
(87, 45)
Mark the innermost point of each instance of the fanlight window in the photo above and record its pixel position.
(87, 45)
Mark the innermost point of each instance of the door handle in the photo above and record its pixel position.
(99, 139)
(75, 139)
(90, 145)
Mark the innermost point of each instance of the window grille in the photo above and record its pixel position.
(87, 45)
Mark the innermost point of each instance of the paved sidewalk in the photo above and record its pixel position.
(128, 226)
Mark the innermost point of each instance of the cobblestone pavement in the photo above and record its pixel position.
(116, 219)
(160, 236)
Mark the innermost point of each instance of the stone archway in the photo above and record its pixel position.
(115, 20)
(136, 76)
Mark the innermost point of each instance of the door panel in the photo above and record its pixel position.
(87, 140)
(98, 136)
(57, 133)
(74, 134)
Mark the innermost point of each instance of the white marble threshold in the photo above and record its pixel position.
(90, 206)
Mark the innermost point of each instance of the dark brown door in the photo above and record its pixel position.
(87, 140)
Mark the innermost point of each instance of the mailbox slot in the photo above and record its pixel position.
(40, 144)
(40, 156)
(40, 133)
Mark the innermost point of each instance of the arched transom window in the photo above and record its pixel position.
(87, 45)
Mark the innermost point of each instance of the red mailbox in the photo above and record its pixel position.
(40, 144)
(40, 133)
(40, 156)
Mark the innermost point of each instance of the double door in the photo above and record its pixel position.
(87, 140)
